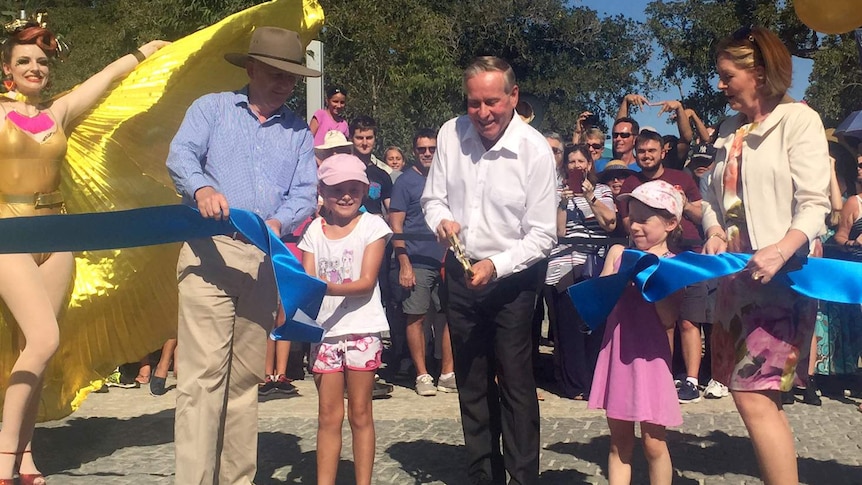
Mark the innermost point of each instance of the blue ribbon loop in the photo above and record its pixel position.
(300, 294)
(656, 278)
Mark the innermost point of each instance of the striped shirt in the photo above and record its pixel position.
(580, 222)
(267, 168)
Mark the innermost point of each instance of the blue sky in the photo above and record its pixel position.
(635, 10)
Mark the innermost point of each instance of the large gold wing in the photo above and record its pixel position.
(124, 302)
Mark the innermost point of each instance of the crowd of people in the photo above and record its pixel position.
(524, 215)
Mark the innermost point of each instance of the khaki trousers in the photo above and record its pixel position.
(227, 303)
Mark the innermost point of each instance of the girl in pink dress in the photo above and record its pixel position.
(633, 382)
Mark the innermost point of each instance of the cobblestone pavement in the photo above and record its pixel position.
(126, 437)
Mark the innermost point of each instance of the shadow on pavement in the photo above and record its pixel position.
(429, 461)
(712, 455)
(87, 439)
(278, 450)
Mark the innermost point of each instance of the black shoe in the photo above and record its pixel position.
(809, 394)
(381, 389)
(787, 398)
(157, 385)
(283, 386)
(688, 393)
(267, 387)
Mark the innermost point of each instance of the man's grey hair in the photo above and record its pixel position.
(553, 135)
(491, 64)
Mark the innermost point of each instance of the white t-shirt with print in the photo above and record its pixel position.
(340, 261)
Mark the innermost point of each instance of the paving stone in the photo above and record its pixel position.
(126, 437)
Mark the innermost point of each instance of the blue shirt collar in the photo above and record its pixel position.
(241, 99)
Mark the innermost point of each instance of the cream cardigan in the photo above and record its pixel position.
(785, 175)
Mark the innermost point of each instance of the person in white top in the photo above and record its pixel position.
(492, 183)
(344, 247)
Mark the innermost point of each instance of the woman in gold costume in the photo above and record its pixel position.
(35, 287)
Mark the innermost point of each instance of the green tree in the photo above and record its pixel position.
(566, 56)
(688, 29)
(401, 61)
(396, 60)
(836, 79)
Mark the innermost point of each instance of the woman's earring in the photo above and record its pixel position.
(9, 84)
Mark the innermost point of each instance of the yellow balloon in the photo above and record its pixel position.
(831, 17)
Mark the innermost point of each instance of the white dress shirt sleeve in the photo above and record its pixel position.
(539, 223)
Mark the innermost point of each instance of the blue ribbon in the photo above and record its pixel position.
(301, 294)
(656, 278)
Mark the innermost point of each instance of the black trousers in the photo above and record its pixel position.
(575, 350)
(490, 330)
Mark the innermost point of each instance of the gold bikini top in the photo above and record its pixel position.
(29, 167)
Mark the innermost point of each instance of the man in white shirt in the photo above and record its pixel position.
(492, 183)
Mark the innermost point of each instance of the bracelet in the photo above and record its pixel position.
(593, 200)
(138, 55)
(718, 235)
(780, 253)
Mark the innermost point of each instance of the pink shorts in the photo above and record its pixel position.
(354, 352)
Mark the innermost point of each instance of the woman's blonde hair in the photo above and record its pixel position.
(750, 47)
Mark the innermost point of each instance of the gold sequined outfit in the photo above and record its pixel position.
(30, 174)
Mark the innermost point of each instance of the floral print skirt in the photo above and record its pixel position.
(762, 335)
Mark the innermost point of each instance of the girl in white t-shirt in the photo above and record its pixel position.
(345, 249)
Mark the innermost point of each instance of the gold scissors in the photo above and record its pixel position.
(460, 255)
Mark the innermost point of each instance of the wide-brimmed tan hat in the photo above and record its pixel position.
(615, 167)
(279, 48)
(334, 139)
(333, 142)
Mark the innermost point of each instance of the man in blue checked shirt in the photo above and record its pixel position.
(241, 149)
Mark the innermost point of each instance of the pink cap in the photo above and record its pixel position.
(341, 168)
(658, 194)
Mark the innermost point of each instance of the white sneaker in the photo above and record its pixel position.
(425, 385)
(715, 390)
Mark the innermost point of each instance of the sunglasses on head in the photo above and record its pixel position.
(744, 33)
(426, 149)
(622, 135)
(596, 146)
(747, 34)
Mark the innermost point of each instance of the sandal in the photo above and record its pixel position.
(23, 478)
(9, 481)
(31, 479)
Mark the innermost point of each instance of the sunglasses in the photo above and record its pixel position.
(622, 135)
(426, 149)
(747, 33)
(597, 146)
(614, 177)
(859, 165)
(557, 151)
